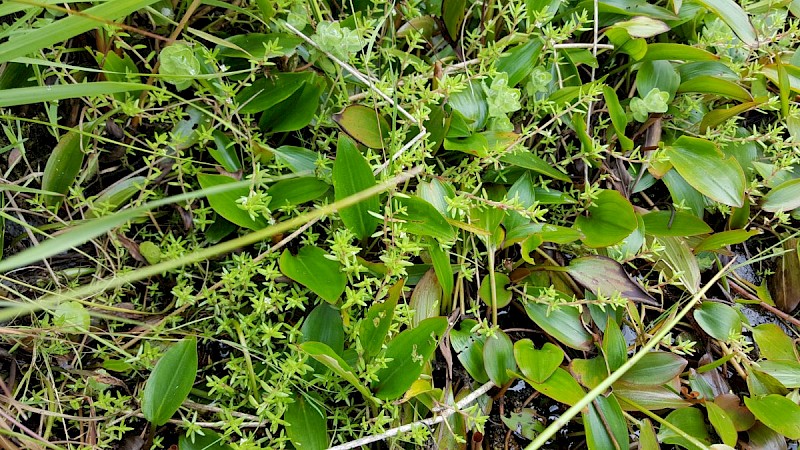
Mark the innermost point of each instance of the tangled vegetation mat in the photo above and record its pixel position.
(444, 224)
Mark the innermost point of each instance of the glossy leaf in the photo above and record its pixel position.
(421, 218)
(657, 74)
(673, 51)
(720, 321)
(784, 197)
(528, 160)
(589, 372)
(266, 92)
(741, 417)
(469, 349)
(604, 276)
(773, 343)
(471, 101)
(501, 282)
(296, 191)
(498, 358)
(614, 347)
(408, 351)
(696, 158)
(352, 174)
(647, 436)
(652, 397)
(170, 382)
(426, 299)
(776, 412)
(560, 386)
(564, 324)
(324, 324)
(633, 8)
(443, 269)
(715, 69)
(718, 116)
(307, 426)
(655, 368)
(116, 195)
(325, 355)
(364, 125)
(674, 223)
(688, 420)
(313, 270)
(520, 61)
(297, 159)
(722, 423)
(295, 112)
(705, 84)
(375, 326)
(725, 238)
(618, 118)
(610, 220)
(259, 46)
(763, 437)
(786, 372)
(537, 364)
(604, 417)
(225, 203)
(63, 166)
(224, 153)
(735, 17)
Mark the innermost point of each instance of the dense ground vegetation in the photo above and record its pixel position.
(439, 224)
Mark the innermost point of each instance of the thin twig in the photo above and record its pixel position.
(441, 416)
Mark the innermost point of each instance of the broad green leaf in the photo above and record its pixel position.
(604, 276)
(225, 203)
(297, 159)
(791, 71)
(436, 193)
(763, 437)
(778, 413)
(614, 347)
(254, 46)
(375, 326)
(564, 324)
(735, 17)
(475, 144)
(623, 42)
(313, 270)
(642, 27)
(714, 69)
(725, 238)
(425, 26)
(453, 14)
(618, 118)
(610, 220)
(267, 92)
(696, 158)
(706, 84)
(786, 372)
(63, 166)
(296, 191)
(520, 61)
(673, 51)
(498, 357)
(537, 365)
(560, 386)
(683, 193)
(604, 416)
(352, 174)
(720, 321)
(589, 372)
(761, 383)
(224, 153)
(741, 417)
(722, 423)
(773, 343)
(652, 397)
(647, 436)
(408, 352)
(632, 8)
(324, 354)
(210, 440)
(784, 285)
(426, 299)
(469, 349)
(22, 44)
(720, 115)
(324, 324)
(655, 368)
(784, 197)
(471, 101)
(522, 191)
(688, 420)
(365, 125)
(295, 112)
(307, 426)
(657, 74)
(421, 218)
(443, 269)
(674, 223)
(528, 160)
(170, 382)
(526, 422)
(501, 282)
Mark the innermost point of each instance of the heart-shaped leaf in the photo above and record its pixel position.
(703, 166)
(610, 220)
(313, 270)
(170, 382)
(722, 423)
(537, 365)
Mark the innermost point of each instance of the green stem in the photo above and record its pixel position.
(573, 411)
(492, 285)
